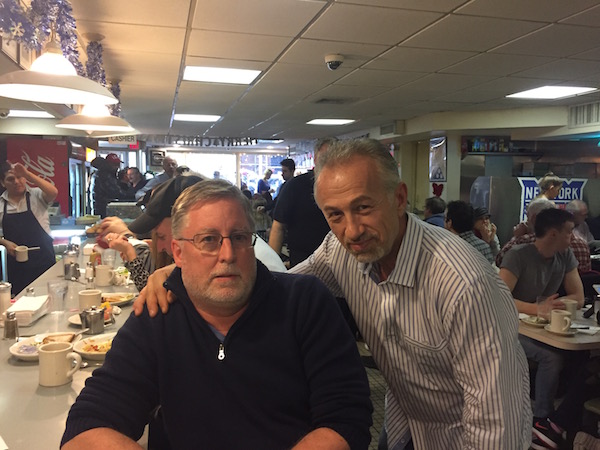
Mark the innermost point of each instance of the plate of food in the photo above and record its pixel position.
(534, 321)
(27, 349)
(95, 347)
(118, 298)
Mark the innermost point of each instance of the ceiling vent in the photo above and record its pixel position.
(584, 115)
(335, 101)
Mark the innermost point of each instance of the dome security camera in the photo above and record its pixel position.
(4, 113)
(334, 61)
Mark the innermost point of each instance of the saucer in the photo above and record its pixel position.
(535, 321)
(569, 332)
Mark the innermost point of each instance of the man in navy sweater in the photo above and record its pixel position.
(246, 359)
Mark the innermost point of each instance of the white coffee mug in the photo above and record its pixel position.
(89, 298)
(560, 320)
(104, 275)
(570, 305)
(21, 253)
(56, 363)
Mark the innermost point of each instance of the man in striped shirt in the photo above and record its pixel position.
(442, 326)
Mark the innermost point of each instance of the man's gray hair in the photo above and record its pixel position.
(575, 206)
(203, 192)
(345, 150)
(537, 205)
(325, 141)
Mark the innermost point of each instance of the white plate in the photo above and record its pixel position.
(127, 297)
(76, 320)
(26, 349)
(99, 339)
(534, 322)
(569, 332)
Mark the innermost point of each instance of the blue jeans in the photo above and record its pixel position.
(550, 363)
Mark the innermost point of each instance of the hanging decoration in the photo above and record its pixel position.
(31, 27)
(95, 66)
(115, 89)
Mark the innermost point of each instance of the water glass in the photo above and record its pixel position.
(57, 290)
(544, 307)
(109, 257)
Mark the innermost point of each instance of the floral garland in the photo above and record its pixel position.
(31, 27)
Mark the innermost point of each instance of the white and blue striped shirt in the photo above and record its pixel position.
(443, 330)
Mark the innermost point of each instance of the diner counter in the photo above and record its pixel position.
(33, 417)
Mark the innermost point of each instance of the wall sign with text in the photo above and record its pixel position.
(572, 189)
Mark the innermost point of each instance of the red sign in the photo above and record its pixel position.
(46, 158)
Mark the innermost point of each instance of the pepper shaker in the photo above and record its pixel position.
(11, 326)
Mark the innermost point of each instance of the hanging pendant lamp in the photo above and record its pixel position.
(95, 118)
(53, 79)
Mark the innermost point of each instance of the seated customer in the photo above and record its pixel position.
(485, 230)
(435, 208)
(460, 220)
(538, 269)
(245, 359)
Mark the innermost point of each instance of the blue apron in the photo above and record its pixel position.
(24, 229)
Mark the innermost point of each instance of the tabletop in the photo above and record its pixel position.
(33, 417)
(579, 341)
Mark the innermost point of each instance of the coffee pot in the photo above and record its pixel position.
(71, 254)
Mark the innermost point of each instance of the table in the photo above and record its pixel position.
(579, 341)
(33, 417)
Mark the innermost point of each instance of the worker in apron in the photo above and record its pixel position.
(25, 221)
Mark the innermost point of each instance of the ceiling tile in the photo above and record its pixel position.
(467, 33)
(216, 44)
(495, 64)
(311, 51)
(538, 10)
(417, 59)
(370, 25)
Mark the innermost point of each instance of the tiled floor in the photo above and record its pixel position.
(378, 387)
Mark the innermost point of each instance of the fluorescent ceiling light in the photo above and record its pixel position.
(220, 75)
(30, 114)
(196, 118)
(330, 121)
(553, 92)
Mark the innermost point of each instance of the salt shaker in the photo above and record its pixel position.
(4, 298)
(11, 327)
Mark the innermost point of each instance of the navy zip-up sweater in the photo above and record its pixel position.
(289, 365)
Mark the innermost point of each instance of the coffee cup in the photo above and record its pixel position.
(104, 275)
(560, 321)
(571, 306)
(56, 363)
(21, 253)
(89, 298)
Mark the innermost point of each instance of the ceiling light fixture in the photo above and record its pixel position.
(219, 75)
(95, 118)
(330, 121)
(53, 79)
(552, 92)
(195, 118)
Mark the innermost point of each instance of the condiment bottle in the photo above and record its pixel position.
(11, 327)
(4, 298)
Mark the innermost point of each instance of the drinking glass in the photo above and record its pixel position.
(57, 290)
(109, 257)
(544, 307)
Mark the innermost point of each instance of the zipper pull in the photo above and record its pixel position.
(221, 355)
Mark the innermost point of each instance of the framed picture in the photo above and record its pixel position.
(156, 157)
(10, 48)
(26, 56)
(437, 159)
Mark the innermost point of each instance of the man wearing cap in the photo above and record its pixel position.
(170, 170)
(485, 230)
(105, 184)
(247, 359)
(138, 257)
(459, 220)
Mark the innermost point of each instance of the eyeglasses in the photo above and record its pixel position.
(210, 243)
